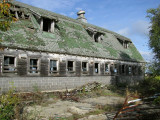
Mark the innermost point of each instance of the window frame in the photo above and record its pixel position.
(74, 63)
(108, 64)
(38, 66)
(130, 70)
(87, 67)
(57, 65)
(98, 68)
(13, 66)
(51, 24)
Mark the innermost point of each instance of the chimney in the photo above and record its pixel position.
(81, 16)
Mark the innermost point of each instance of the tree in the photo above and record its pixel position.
(6, 17)
(154, 33)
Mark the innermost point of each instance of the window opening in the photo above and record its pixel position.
(53, 66)
(123, 69)
(96, 68)
(9, 63)
(70, 66)
(84, 66)
(124, 43)
(47, 25)
(95, 35)
(130, 70)
(106, 68)
(115, 69)
(33, 65)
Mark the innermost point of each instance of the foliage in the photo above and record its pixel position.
(8, 103)
(149, 86)
(157, 101)
(154, 33)
(6, 17)
(153, 68)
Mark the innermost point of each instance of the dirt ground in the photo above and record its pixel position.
(61, 110)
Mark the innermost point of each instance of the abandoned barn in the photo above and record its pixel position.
(52, 51)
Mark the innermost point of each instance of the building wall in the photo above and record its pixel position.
(24, 80)
(28, 84)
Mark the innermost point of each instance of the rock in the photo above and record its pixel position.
(75, 110)
(95, 117)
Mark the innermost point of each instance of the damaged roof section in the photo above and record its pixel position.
(65, 35)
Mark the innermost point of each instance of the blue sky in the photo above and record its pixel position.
(126, 17)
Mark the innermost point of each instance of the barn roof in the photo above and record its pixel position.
(70, 37)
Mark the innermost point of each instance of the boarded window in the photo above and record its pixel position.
(70, 66)
(96, 67)
(53, 66)
(106, 67)
(33, 65)
(9, 64)
(84, 66)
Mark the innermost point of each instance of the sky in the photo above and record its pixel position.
(126, 17)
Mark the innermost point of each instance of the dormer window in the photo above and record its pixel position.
(124, 43)
(47, 25)
(95, 35)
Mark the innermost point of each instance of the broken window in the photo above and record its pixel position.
(96, 67)
(95, 35)
(124, 43)
(53, 66)
(115, 69)
(130, 69)
(9, 64)
(33, 65)
(140, 70)
(123, 69)
(106, 67)
(46, 25)
(84, 66)
(70, 66)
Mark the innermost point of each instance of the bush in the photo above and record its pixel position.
(150, 85)
(157, 101)
(8, 103)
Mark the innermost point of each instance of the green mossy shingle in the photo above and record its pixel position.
(70, 37)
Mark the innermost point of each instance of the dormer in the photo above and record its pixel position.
(124, 43)
(47, 25)
(97, 36)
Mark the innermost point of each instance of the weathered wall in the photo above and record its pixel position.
(25, 81)
(25, 84)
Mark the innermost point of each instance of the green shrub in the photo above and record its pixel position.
(157, 101)
(8, 103)
(150, 85)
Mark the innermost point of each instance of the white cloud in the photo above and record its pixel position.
(140, 27)
(124, 31)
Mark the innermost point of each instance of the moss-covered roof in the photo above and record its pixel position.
(70, 37)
